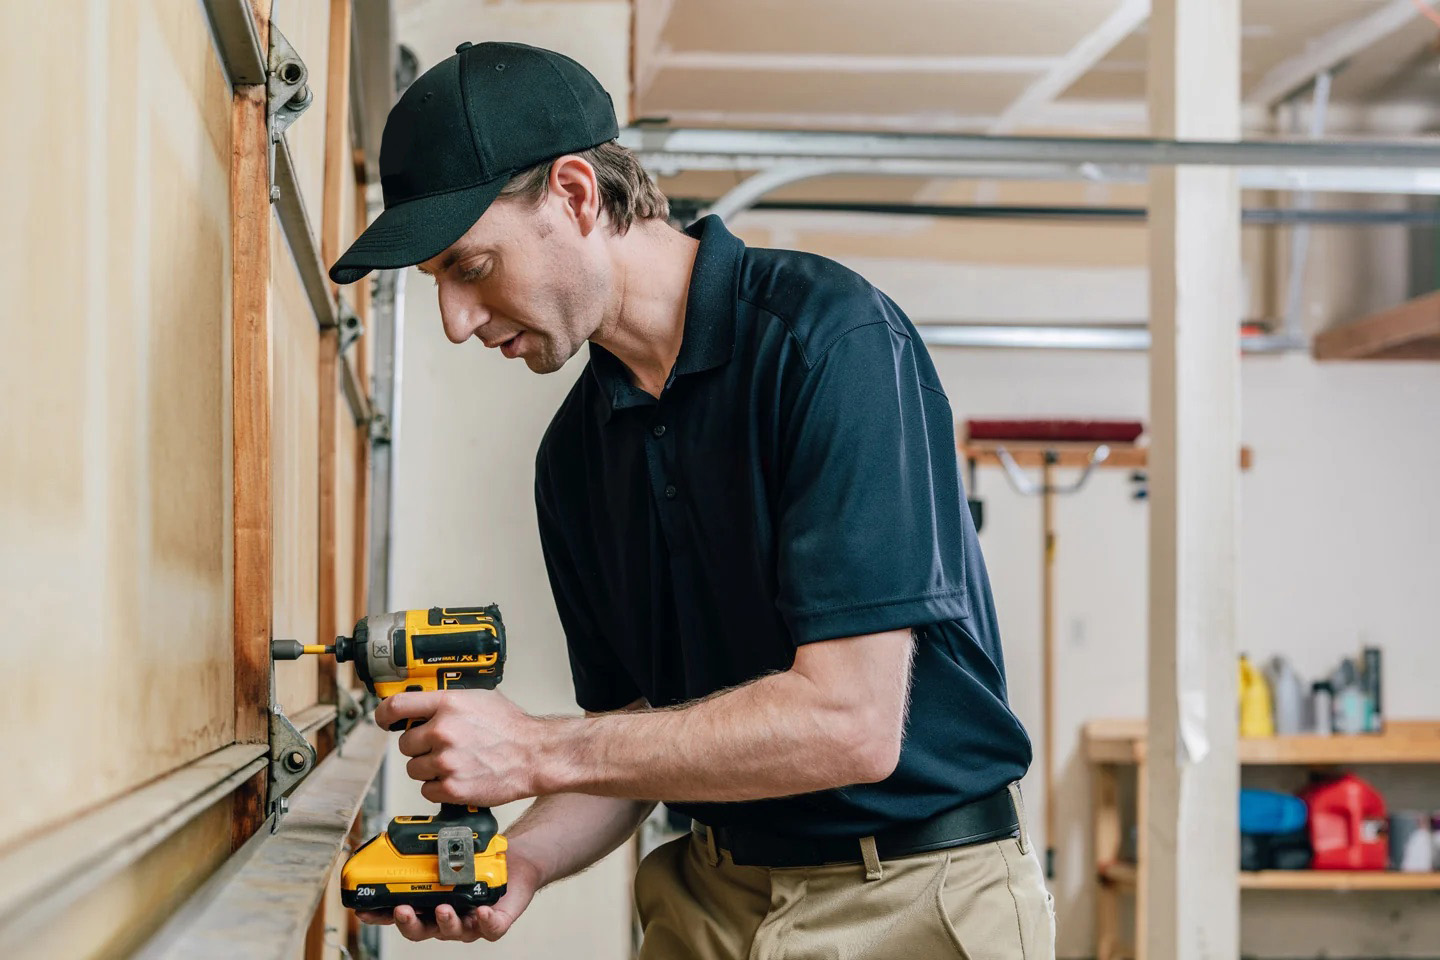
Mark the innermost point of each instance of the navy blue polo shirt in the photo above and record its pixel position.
(795, 482)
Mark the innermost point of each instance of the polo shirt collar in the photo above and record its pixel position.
(708, 340)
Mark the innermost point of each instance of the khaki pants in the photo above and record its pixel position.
(986, 901)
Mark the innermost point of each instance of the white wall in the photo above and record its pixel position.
(1340, 518)
(464, 533)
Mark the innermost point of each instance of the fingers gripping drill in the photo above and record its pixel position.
(458, 856)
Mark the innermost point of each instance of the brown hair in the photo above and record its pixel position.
(627, 193)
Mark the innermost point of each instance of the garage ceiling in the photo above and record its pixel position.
(993, 66)
(978, 65)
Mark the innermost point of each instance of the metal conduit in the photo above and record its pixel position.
(1250, 216)
(1106, 337)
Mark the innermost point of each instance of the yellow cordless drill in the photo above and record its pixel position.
(458, 856)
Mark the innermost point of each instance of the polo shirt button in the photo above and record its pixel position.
(670, 491)
(659, 430)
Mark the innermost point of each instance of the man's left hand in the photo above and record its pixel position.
(475, 746)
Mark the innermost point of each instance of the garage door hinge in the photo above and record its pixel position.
(379, 430)
(350, 325)
(291, 758)
(287, 93)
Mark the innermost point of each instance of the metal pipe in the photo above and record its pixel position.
(1078, 336)
(737, 145)
(1251, 216)
(1351, 167)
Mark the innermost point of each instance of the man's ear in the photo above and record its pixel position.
(572, 179)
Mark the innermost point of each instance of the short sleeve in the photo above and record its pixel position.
(601, 683)
(871, 536)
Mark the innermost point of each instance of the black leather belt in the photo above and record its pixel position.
(989, 818)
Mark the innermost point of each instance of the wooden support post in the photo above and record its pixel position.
(338, 154)
(250, 408)
(1105, 809)
(1188, 893)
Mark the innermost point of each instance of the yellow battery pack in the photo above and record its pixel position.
(402, 865)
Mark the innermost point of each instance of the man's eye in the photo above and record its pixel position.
(474, 273)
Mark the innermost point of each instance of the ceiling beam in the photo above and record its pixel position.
(825, 120)
(848, 63)
(651, 18)
(1081, 59)
(1333, 48)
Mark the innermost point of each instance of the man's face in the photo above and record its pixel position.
(523, 279)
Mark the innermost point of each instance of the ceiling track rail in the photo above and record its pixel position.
(44, 878)
(233, 27)
(262, 906)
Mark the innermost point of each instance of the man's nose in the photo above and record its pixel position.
(460, 312)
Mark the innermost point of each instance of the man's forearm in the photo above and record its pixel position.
(776, 736)
(564, 833)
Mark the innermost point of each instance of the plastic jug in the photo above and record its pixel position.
(1256, 717)
(1348, 829)
(1288, 692)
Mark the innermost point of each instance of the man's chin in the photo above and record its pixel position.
(546, 361)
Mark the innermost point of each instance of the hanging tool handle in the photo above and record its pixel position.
(1026, 487)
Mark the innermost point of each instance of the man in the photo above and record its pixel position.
(778, 619)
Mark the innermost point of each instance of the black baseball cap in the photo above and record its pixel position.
(458, 135)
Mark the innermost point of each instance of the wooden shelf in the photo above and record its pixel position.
(1123, 456)
(1404, 741)
(1337, 880)
(1124, 875)
(1410, 331)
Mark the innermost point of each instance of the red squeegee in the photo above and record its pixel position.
(1055, 431)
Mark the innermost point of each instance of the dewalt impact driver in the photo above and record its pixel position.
(458, 856)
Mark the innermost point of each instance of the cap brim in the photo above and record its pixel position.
(413, 232)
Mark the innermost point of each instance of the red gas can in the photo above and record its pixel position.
(1348, 830)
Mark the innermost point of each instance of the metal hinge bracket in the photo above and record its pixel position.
(350, 326)
(379, 430)
(348, 712)
(287, 94)
(291, 758)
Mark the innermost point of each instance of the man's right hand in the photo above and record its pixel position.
(523, 881)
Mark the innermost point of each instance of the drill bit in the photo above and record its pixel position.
(294, 650)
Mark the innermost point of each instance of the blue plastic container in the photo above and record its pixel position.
(1271, 812)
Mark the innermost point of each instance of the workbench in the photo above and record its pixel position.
(1113, 744)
